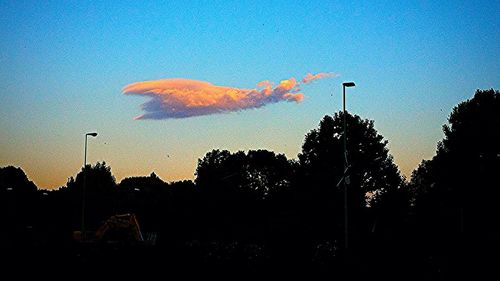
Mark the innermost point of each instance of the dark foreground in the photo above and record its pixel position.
(235, 260)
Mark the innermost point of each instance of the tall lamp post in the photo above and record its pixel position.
(85, 183)
(346, 166)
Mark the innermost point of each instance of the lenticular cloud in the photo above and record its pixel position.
(181, 98)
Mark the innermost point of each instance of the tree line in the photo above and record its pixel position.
(292, 210)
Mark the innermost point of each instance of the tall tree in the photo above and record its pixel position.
(373, 178)
(100, 192)
(235, 187)
(18, 203)
(459, 188)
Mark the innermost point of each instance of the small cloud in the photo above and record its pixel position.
(311, 77)
(182, 98)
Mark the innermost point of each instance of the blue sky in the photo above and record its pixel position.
(63, 65)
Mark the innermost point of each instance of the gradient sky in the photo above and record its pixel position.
(64, 64)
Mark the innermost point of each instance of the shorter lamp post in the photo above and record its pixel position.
(84, 184)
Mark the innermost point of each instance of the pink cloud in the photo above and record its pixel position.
(311, 77)
(181, 98)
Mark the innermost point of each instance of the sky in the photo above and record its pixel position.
(69, 67)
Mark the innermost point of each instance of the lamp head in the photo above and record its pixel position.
(348, 84)
(92, 134)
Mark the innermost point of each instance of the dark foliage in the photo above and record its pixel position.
(100, 190)
(236, 189)
(461, 181)
(257, 212)
(456, 192)
(377, 196)
(18, 196)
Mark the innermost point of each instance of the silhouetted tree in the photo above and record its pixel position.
(18, 205)
(373, 178)
(267, 172)
(147, 184)
(15, 180)
(257, 173)
(456, 192)
(183, 219)
(234, 187)
(98, 179)
(100, 192)
(458, 189)
(220, 173)
(147, 197)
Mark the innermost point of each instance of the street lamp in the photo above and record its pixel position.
(346, 166)
(84, 184)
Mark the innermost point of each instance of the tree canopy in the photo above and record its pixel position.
(256, 173)
(376, 191)
(15, 180)
(372, 172)
(461, 181)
